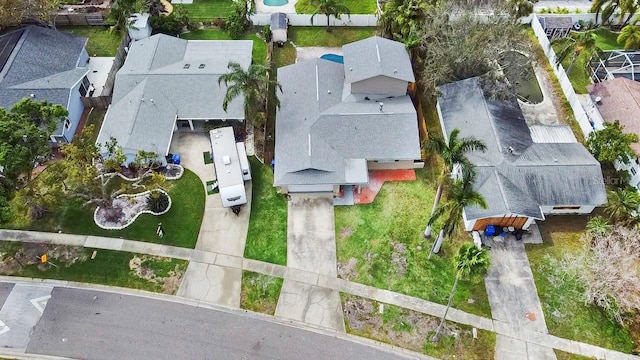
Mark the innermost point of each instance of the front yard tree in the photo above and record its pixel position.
(612, 143)
(24, 135)
(469, 262)
(629, 37)
(252, 83)
(328, 8)
(453, 153)
(582, 43)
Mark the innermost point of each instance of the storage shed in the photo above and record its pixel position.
(229, 166)
(139, 27)
(279, 25)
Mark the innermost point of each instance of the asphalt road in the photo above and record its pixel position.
(114, 326)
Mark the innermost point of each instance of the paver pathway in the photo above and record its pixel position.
(509, 331)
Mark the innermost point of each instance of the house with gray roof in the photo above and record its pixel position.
(168, 84)
(44, 64)
(336, 121)
(523, 176)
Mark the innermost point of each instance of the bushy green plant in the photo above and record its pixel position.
(238, 21)
(158, 202)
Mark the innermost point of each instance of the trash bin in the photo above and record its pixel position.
(490, 230)
(175, 159)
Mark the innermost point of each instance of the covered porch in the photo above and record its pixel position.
(366, 194)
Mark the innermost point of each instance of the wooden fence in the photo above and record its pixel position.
(98, 102)
(92, 19)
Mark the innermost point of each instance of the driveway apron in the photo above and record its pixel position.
(311, 246)
(513, 297)
(221, 231)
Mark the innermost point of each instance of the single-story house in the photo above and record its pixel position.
(619, 99)
(278, 26)
(336, 121)
(523, 176)
(231, 164)
(44, 64)
(168, 84)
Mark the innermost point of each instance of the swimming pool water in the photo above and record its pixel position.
(333, 57)
(275, 2)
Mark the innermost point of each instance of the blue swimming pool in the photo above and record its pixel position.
(333, 57)
(275, 2)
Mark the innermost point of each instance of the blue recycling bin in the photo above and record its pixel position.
(176, 159)
(490, 230)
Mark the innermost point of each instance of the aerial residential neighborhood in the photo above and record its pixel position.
(321, 179)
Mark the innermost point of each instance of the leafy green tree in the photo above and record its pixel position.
(453, 153)
(627, 8)
(13, 12)
(629, 37)
(121, 12)
(24, 136)
(582, 43)
(238, 21)
(252, 83)
(612, 143)
(623, 206)
(469, 262)
(328, 8)
(402, 17)
(172, 24)
(154, 7)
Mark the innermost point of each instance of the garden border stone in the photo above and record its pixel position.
(95, 213)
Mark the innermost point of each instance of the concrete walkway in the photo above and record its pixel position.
(311, 247)
(514, 300)
(509, 330)
(221, 232)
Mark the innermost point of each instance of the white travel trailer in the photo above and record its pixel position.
(229, 165)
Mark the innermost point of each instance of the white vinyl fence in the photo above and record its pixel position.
(320, 20)
(588, 122)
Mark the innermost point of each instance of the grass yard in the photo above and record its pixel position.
(181, 223)
(354, 6)
(260, 292)
(267, 235)
(102, 42)
(285, 55)
(412, 330)
(209, 9)
(378, 245)
(75, 264)
(259, 54)
(562, 297)
(319, 36)
(96, 117)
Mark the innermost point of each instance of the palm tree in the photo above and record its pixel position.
(629, 37)
(627, 8)
(402, 17)
(252, 83)
(600, 5)
(328, 8)
(460, 196)
(453, 153)
(598, 226)
(623, 206)
(583, 43)
(470, 261)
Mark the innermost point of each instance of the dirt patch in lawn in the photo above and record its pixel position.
(16, 255)
(158, 270)
(348, 270)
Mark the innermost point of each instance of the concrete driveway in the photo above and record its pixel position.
(221, 231)
(311, 246)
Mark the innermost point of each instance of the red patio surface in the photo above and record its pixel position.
(368, 193)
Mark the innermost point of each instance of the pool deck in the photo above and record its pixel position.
(289, 8)
(314, 52)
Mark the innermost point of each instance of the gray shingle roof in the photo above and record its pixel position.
(43, 63)
(156, 69)
(531, 174)
(376, 56)
(320, 129)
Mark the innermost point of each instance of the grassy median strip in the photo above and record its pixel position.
(107, 267)
(260, 292)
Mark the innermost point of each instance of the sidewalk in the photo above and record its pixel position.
(509, 331)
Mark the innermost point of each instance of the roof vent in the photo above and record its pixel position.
(395, 71)
(381, 104)
(226, 160)
(32, 95)
(328, 91)
(598, 100)
(186, 66)
(201, 66)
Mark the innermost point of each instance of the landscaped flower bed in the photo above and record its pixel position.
(126, 208)
(170, 172)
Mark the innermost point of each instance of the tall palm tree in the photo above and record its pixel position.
(583, 43)
(623, 206)
(460, 195)
(629, 37)
(453, 153)
(401, 17)
(470, 261)
(252, 83)
(328, 8)
(628, 8)
(598, 6)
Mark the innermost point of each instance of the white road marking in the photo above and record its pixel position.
(40, 302)
(3, 328)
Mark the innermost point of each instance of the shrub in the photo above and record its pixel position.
(158, 202)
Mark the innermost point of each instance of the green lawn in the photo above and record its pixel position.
(354, 6)
(181, 223)
(285, 55)
(563, 295)
(267, 236)
(101, 41)
(96, 117)
(260, 292)
(108, 268)
(209, 9)
(319, 36)
(384, 239)
(259, 53)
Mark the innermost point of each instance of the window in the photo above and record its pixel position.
(633, 171)
(67, 124)
(84, 86)
(234, 198)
